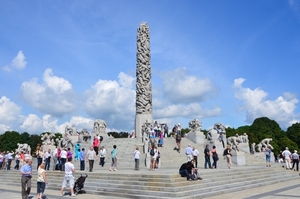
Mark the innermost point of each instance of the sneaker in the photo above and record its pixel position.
(73, 195)
(61, 194)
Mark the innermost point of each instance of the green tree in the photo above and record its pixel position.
(293, 133)
(9, 140)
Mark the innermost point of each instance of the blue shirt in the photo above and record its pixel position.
(25, 169)
(82, 155)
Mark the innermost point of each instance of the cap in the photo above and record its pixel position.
(286, 148)
(295, 151)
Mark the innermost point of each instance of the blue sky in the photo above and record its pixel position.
(71, 62)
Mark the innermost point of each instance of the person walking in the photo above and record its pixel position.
(26, 172)
(91, 157)
(68, 178)
(47, 159)
(188, 152)
(41, 181)
(102, 154)
(268, 156)
(295, 158)
(195, 154)
(207, 157)
(96, 144)
(287, 157)
(227, 154)
(17, 159)
(9, 159)
(137, 155)
(114, 158)
(82, 159)
(63, 158)
(54, 158)
(215, 157)
(39, 155)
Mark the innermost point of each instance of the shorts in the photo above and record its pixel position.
(68, 179)
(40, 187)
(268, 159)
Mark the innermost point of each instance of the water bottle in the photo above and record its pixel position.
(46, 186)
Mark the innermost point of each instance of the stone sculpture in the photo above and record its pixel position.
(195, 125)
(48, 139)
(244, 138)
(143, 79)
(217, 131)
(64, 142)
(264, 144)
(146, 133)
(233, 141)
(23, 147)
(99, 126)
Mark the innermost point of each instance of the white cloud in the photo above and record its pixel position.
(193, 110)
(54, 96)
(18, 63)
(126, 80)
(112, 102)
(9, 111)
(256, 104)
(32, 123)
(180, 87)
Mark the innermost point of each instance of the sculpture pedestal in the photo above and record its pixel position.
(244, 147)
(140, 119)
(262, 155)
(238, 158)
(196, 136)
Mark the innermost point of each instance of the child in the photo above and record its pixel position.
(136, 155)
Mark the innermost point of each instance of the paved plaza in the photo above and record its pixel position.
(283, 190)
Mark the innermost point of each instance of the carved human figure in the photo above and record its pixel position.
(259, 147)
(244, 138)
(233, 141)
(195, 125)
(266, 143)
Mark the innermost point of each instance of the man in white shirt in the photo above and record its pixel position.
(54, 158)
(188, 152)
(287, 157)
(91, 157)
(63, 158)
(69, 178)
(47, 156)
(195, 154)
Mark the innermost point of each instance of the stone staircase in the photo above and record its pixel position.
(164, 183)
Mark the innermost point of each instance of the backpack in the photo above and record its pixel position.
(152, 152)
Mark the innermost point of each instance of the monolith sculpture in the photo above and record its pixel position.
(143, 79)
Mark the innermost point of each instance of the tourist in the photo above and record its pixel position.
(185, 169)
(207, 157)
(91, 157)
(161, 139)
(41, 181)
(22, 158)
(215, 157)
(287, 157)
(178, 142)
(281, 159)
(82, 159)
(195, 154)
(17, 161)
(26, 171)
(157, 154)
(153, 155)
(27, 156)
(1, 160)
(102, 154)
(54, 158)
(9, 158)
(188, 152)
(69, 178)
(59, 158)
(194, 171)
(295, 158)
(166, 130)
(268, 156)
(77, 151)
(63, 158)
(227, 154)
(136, 155)
(114, 159)
(39, 155)
(47, 159)
(96, 144)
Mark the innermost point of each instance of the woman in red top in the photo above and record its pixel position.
(96, 144)
(22, 158)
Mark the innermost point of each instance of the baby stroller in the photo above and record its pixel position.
(79, 184)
